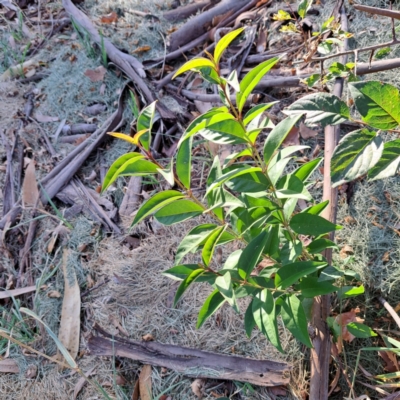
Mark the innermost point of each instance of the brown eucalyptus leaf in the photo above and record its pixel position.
(97, 74)
(145, 387)
(71, 309)
(9, 365)
(30, 191)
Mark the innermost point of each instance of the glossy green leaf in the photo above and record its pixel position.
(219, 197)
(378, 103)
(211, 242)
(178, 211)
(311, 287)
(224, 42)
(194, 64)
(389, 162)
(303, 7)
(251, 79)
(186, 283)
(184, 162)
(228, 131)
(264, 313)
(276, 170)
(290, 252)
(278, 135)
(224, 285)
(360, 330)
(355, 155)
(284, 153)
(295, 320)
(313, 225)
(249, 219)
(319, 245)
(168, 173)
(180, 272)
(233, 81)
(209, 74)
(256, 111)
(242, 170)
(192, 240)
(317, 208)
(145, 121)
(253, 182)
(213, 302)
(156, 202)
(252, 254)
(234, 156)
(249, 322)
(290, 186)
(112, 174)
(304, 172)
(291, 273)
(273, 242)
(345, 292)
(323, 108)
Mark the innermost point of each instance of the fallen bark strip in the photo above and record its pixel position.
(185, 11)
(117, 56)
(321, 351)
(196, 26)
(194, 363)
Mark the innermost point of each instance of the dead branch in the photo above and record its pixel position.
(391, 311)
(378, 11)
(185, 11)
(131, 198)
(192, 362)
(320, 353)
(126, 61)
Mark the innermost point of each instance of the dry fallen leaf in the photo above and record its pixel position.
(148, 337)
(141, 49)
(45, 118)
(81, 382)
(390, 359)
(31, 372)
(71, 309)
(145, 388)
(110, 18)
(54, 294)
(16, 292)
(9, 366)
(342, 320)
(306, 132)
(292, 138)
(30, 191)
(97, 74)
(345, 251)
(386, 256)
(198, 387)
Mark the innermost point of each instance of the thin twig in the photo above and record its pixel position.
(391, 311)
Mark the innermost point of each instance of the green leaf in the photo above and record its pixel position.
(186, 283)
(225, 42)
(112, 174)
(209, 74)
(168, 173)
(350, 291)
(290, 273)
(295, 319)
(303, 7)
(192, 240)
(264, 313)
(253, 182)
(378, 103)
(355, 154)
(249, 322)
(272, 245)
(290, 251)
(178, 211)
(256, 111)
(278, 135)
(194, 64)
(228, 131)
(145, 121)
(307, 169)
(290, 186)
(213, 302)
(323, 108)
(219, 197)
(213, 116)
(313, 225)
(389, 162)
(224, 285)
(184, 162)
(180, 272)
(311, 287)
(209, 246)
(232, 157)
(251, 255)
(155, 203)
(360, 330)
(284, 153)
(251, 79)
(317, 208)
(244, 169)
(319, 245)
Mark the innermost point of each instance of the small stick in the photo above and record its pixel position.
(391, 311)
(378, 11)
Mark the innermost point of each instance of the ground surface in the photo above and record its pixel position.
(136, 300)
